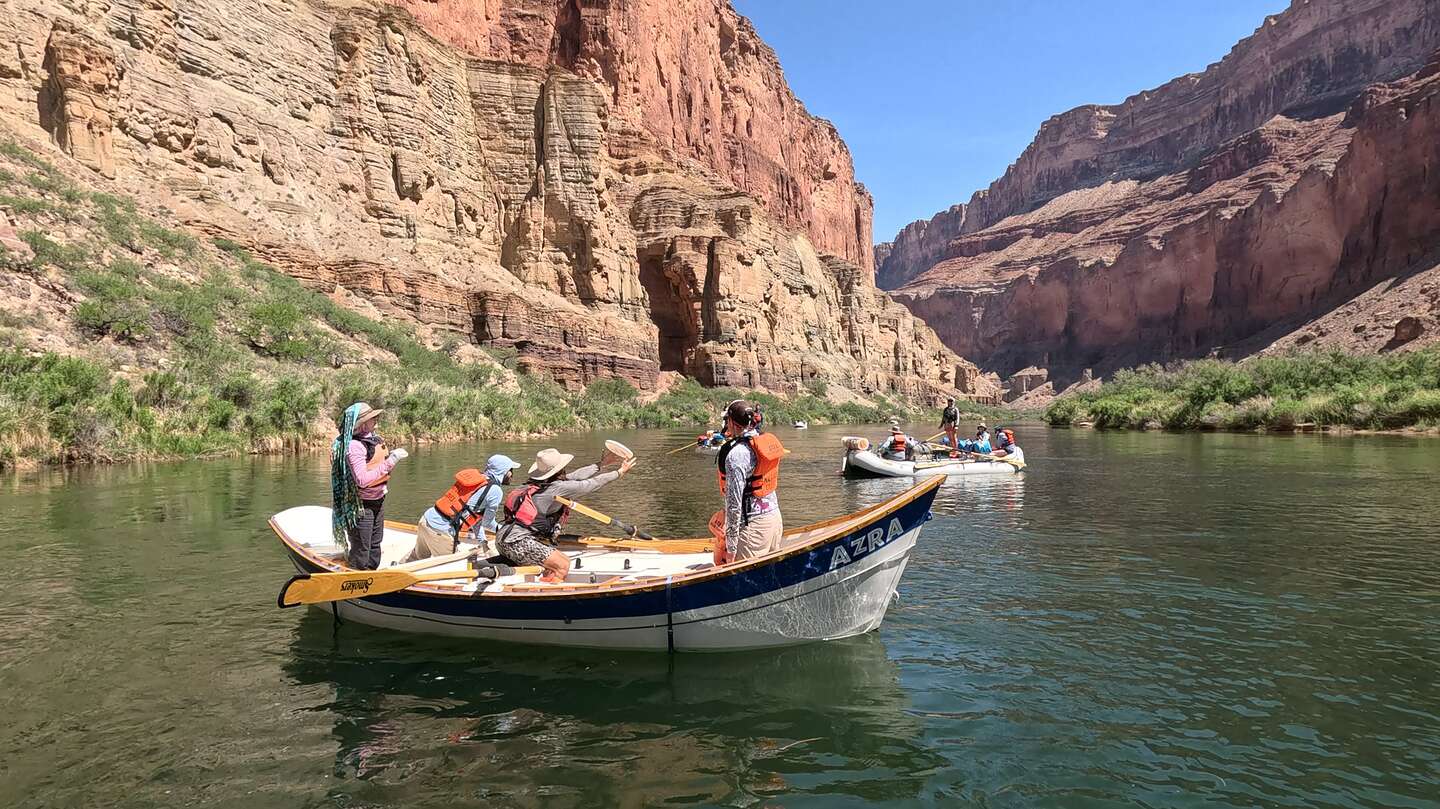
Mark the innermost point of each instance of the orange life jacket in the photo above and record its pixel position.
(454, 504)
(897, 442)
(766, 478)
(1009, 437)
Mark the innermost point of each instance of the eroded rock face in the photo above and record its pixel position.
(1309, 60)
(561, 193)
(696, 78)
(1195, 216)
(1273, 227)
(77, 102)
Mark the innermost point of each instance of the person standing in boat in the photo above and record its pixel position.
(950, 423)
(531, 518)
(749, 474)
(360, 467)
(469, 508)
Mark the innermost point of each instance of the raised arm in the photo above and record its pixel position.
(365, 478)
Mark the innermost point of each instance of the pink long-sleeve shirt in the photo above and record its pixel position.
(367, 479)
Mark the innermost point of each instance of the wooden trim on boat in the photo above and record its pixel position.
(577, 590)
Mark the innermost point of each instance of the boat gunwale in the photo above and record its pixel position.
(872, 513)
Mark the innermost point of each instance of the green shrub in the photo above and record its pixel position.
(71, 258)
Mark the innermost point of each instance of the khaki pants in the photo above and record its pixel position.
(760, 536)
(429, 542)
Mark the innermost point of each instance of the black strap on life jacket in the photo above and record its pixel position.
(466, 511)
(371, 442)
(752, 483)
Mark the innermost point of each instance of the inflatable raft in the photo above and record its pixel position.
(862, 462)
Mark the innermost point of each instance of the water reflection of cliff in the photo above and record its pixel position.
(431, 722)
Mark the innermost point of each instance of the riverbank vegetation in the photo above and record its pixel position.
(122, 338)
(1319, 389)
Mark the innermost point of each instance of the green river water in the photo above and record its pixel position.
(1142, 620)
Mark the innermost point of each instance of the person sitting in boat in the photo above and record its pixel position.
(749, 474)
(981, 442)
(898, 447)
(1005, 446)
(360, 467)
(468, 508)
(531, 518)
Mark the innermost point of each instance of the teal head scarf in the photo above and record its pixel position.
(344, 491)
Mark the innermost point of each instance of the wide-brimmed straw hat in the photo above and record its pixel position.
(548, 462)
(366, 412)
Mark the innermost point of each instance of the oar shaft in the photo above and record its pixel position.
(604, 519)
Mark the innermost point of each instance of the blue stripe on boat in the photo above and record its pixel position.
(711, 592)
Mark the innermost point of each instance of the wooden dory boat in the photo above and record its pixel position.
(831, 580)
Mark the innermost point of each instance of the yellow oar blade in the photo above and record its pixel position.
(317, 588)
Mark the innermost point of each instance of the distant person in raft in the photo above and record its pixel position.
(1005, 446)
(467, 509)
(532, 519)
(750, 524)
(898, 447)
(360, 467)
(981, 442)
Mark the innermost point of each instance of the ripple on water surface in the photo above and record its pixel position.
(1154, 620)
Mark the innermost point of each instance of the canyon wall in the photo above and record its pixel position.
(1196, 214)
(610, 190)
(1310, 59)
(1289, 220)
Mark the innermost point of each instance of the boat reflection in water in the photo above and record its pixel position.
(421, 720)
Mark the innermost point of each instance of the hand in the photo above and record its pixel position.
(399, 454)
(719, 556)
(625, 467)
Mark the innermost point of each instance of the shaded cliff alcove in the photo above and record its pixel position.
(672, 311)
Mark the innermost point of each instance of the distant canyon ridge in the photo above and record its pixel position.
(1287, 196)
(606, 189)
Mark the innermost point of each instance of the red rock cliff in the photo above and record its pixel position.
(1290, 220)
(608, 189)
(1313, 57)
(696, 77)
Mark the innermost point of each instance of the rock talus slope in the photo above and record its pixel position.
(612, 190)
(1287, 178)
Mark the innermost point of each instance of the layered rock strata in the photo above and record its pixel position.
(1194, 215)
(533, 196)
(1289, 220)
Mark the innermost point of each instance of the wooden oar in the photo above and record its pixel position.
(1011, 461)
(691, 445)
(604, 519)
(317, 588)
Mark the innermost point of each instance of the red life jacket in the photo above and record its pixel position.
(520, 509)
(897, 442)
(454, 504)
(766, 478)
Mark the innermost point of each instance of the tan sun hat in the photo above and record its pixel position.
(548, 462)
(366, 413)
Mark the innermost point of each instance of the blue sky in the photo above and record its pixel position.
(937, 97)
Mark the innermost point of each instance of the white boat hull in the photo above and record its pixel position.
(838, 605)
(864, 463)
(832, 580)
